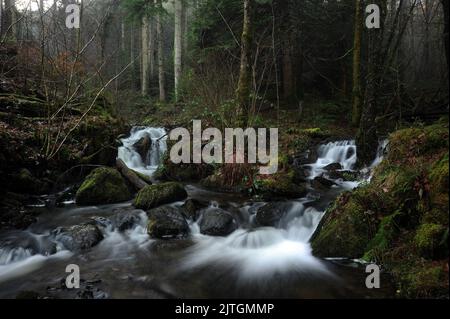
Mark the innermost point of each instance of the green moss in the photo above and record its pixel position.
(315, 132)
(155, 195)
(430, 238)
(399, 219)
(102, 186)
(347, 223)
(386, 233)
(425, 281)
(280, 185)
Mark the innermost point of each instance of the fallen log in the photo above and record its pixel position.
(130, 175)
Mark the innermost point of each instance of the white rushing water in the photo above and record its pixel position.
(251, 251)
(266, 251)
(262, 251)
(342, 152)
(158, 147)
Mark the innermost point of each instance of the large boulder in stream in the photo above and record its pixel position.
(271, 213)
(217, 222)
(156, 195)
(166, 222)
(103, 185)
(79, 237)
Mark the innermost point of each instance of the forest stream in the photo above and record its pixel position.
(251, 262)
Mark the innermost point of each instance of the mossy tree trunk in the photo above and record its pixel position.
(356, 91)
(244, 84)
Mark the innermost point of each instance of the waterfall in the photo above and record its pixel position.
(342, 152)
(128, 153)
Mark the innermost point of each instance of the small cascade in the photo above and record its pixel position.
(342, 152)
(158, 146)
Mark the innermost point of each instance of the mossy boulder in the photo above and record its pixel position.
(166, 222)
(103, 185)
(156, 195)
(285, 184)
(181, 172)
(399, 219)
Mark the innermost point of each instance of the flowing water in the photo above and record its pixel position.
(251, 262)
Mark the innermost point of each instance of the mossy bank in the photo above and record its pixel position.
(400, 218)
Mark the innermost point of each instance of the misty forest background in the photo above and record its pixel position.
(309, 67)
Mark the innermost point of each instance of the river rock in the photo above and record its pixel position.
(333, 167)
(156, 195)
(103, 185)
(271, 213)
(126, 219)
(143, 146)
(217, 222)
(79, 237)
(321, 183)
(191, 207)
(166, 222)
(348, 176)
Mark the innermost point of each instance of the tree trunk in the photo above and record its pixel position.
(356, 90)
(130, 175)
(159, 35)
(185, 29)
(446, 8)
(145, 56)
(288, 70)
(135, 66)
(178, 45)
(1, 19)
(367, 138)
(151, 50)
(244, 84)
(9, 19)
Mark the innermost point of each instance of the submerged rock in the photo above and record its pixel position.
(126, 219)
(217, 222)
(191, 208)
(321, 183)
(79, 237)
(166, 222)
(271, 213)
(333, 167)
(156, 195)
(103, 185)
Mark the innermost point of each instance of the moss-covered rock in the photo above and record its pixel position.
(400, 219)
(166, 222)
(430, 240)
(285, 184)
(103, 185)
(156, 195)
